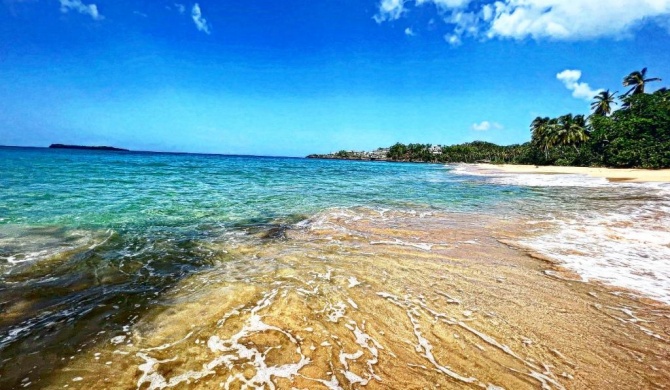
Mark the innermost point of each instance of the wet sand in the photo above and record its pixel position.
(618, 175)
(385, 300)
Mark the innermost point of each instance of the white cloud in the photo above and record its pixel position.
(487, 12)
(574, 19)
(453, 39)
(445, 4)
(181, 8)
(538, 19)
(200, 22)
(486, 126)
(570, 79)
(77, 5)
(390, 10)
(409, 32)
(465, 23)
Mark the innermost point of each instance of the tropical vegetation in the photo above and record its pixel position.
(627, 131)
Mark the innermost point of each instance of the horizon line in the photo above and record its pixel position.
(150, 151)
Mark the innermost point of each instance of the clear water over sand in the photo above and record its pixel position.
(157, 271)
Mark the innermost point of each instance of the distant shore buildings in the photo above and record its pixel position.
(379, 154)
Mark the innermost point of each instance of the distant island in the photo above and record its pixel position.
(80, 147)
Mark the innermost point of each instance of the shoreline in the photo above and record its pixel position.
(415, 282)
(622, 175)
(467, 310)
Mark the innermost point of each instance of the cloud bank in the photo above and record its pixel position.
(77, 5)
(200, 22)
(570, 79)
(537, 19)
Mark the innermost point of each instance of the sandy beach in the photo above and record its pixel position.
(385, 300)
(622, 175)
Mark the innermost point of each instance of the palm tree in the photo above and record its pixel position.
(570, 131)
(637, 80)
(602, 105)
(538, 127)
(543, 134)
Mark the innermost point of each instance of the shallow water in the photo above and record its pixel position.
(617, 233)
(153, 271)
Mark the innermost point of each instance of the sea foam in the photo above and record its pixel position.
(616, 233)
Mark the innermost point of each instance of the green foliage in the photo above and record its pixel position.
(635, 136)
(603, 102)
(411, 152)
(637, 80)
(468, 152)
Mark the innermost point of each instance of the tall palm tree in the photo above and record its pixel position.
(603, 103)
(570, 131)
(543, 133)
(637, 80)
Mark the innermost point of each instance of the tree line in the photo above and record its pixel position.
(633, 133)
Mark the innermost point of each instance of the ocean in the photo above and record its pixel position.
(157, 270)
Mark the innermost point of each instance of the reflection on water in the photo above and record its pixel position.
(380, 299)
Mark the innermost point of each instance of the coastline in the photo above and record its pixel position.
(434, 281)
(611, 174)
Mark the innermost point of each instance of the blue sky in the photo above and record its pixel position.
(295, 77)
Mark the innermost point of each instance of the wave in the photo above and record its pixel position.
(612, 232)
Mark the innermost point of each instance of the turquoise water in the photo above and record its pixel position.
(56, 200)
(94, 189)
(89, 240)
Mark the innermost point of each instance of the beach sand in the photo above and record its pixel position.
(386, 300)
(619, 175)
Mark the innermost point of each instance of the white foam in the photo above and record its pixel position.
(427, 349)
(366, 342)
(353, 282)
(335, 311)
(168, 345)
(450, 299)
(548, 180)
(420, 245)
(613, 232)
(118, 339)
(424, 347)
(28, 257)
(608, 250)
(229, 353)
